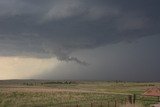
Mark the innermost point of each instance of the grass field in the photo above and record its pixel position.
(44, 93)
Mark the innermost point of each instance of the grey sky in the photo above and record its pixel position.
(66, 28)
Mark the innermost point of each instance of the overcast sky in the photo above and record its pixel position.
(80, 39)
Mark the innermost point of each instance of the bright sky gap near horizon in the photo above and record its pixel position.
(80, 39)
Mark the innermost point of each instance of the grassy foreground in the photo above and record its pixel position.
(38, 93)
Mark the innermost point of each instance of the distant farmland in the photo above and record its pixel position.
(46, 93)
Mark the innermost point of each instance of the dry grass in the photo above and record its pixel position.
(133, 105)
(47, 95)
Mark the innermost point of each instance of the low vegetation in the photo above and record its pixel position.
(39, 93)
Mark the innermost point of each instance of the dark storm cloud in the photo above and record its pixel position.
(49, 28)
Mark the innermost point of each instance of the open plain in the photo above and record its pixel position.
(47, 93)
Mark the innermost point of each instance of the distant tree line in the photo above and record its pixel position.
(58, 82)
(49, 82)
